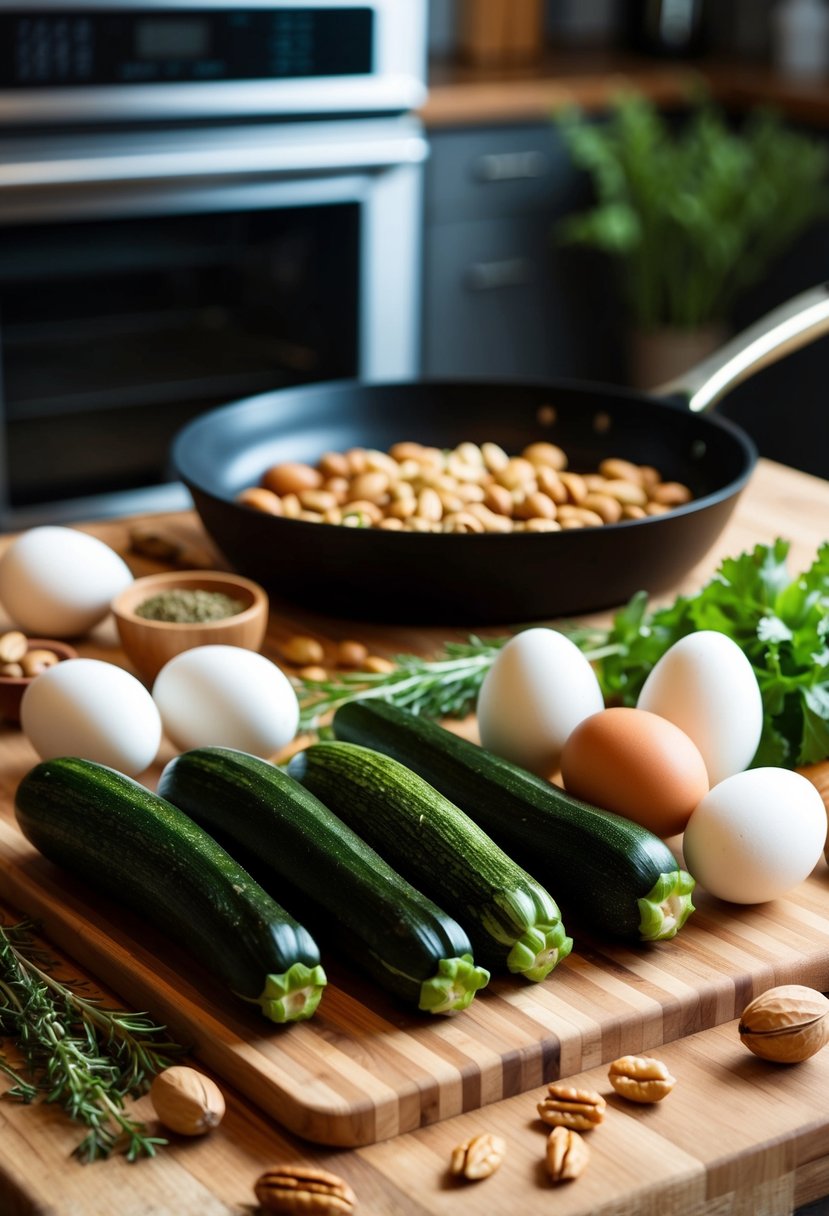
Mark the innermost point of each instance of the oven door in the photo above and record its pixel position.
(145, 278)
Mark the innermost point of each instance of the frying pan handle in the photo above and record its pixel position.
(794, 324)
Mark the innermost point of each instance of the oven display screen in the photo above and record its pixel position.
(173, 39)
(42, 48)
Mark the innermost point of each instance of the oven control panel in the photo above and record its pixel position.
(77, 48)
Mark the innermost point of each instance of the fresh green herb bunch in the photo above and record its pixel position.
(781, 624)
(73, 1051)
(443, 687)
(695, 210)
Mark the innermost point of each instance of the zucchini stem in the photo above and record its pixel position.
(666, 907)
(292, 996)
(538, 951)
(454, 986)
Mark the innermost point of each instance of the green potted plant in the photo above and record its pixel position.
(694, 212)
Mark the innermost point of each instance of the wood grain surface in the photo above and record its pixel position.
(736, 1135)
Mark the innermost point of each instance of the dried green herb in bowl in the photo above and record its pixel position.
(189, 606)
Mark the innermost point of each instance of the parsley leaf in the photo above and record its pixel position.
(780, 623)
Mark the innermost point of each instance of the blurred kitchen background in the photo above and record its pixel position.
(203, 200)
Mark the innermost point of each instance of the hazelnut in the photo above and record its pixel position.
(186, 1101)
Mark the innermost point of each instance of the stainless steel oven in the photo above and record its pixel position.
(198, 200)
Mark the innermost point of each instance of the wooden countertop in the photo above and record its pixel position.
(736, 1135)
(461, 94)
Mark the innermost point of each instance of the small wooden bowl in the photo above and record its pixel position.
(150, 644)
(12, 688)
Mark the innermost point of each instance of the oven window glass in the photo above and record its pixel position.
(114, 334)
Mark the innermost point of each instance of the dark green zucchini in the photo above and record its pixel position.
(606, 870)
(402, 938)
(512, 921)
(129, 843)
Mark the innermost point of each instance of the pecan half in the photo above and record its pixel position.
(640, 1078)
(304, 1189)
(567, 1154)
(566, 1106)
(478, 1157)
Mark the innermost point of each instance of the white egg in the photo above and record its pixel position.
(226, 696)
(92, 709)
(58, 582)
(535, 693)
(756, 835)
(706, 686)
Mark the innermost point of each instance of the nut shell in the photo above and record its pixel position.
(186, 1101)
(786, 1024)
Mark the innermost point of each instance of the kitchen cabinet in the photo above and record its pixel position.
(501, 296)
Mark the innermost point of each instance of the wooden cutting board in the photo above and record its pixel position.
(365, 1069)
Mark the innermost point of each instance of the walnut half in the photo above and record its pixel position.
(567, 1154)
(567, 1106)
(304, 1189)
(640, 1079)
(478, 1157)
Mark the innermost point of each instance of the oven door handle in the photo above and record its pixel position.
(224, 162)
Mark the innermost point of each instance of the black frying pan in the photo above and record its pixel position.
(488, 578)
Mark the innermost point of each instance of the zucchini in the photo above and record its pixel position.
(398, 935)
(130, 844)
(511, 920)
(609, 872)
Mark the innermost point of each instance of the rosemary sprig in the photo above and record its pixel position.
(443, 687)
(75, 1052)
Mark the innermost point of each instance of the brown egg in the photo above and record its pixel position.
(637, 764)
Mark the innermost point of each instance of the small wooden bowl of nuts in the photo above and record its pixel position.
(21, 660)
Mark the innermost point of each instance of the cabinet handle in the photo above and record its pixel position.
(489, 276)
(510, 166)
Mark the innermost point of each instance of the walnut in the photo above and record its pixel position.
(786, 1024)
(304, 1189)
(640, 1079)
(567, 1154)
(478, 1157)
(566, 1106)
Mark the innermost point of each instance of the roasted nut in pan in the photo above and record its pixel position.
(786, 1024)
(640, 1079)
(567, 1106)
(478, 1157)
(304, 1189)
(567, 1154)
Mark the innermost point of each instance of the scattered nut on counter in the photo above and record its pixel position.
(351, 653)
(147, 540)
(304, 1188)
(640, 1079)
(186, 1101)
(786, 1024)
(303, 651)
(567, 1154)
(478, 1157)
(566, 1106)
